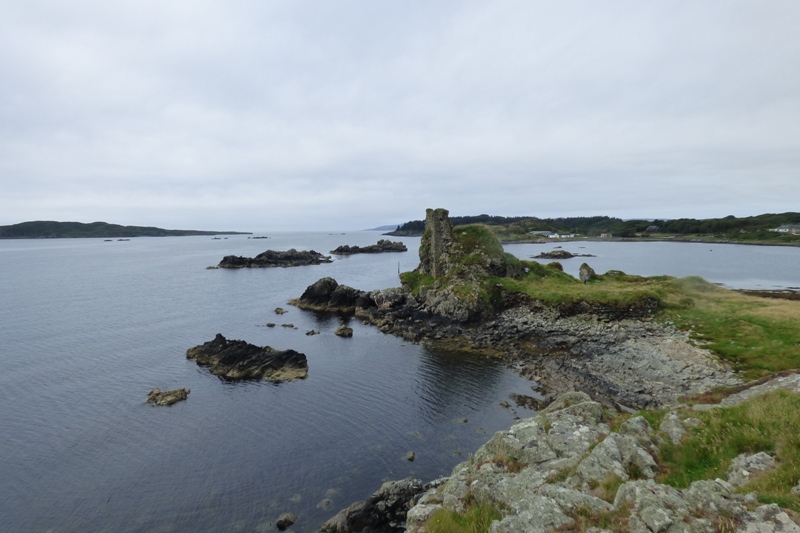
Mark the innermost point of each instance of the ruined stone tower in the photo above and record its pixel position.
(436, 242)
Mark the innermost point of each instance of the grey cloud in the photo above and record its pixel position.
(249, 114)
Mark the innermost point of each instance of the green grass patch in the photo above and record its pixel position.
(756, 335)
(414, 280)
(769, 423)
(478, 239)
(477, 519)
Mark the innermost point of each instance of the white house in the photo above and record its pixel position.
(794, 230)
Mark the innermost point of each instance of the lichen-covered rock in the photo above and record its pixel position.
(745, 466)
(238, 360)
(672, 427)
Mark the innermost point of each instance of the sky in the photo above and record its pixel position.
(298, 115)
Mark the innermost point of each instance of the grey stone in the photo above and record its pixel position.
(745, 466)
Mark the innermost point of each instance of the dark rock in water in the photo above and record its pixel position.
(383, 246)
(385, 511)
(167, 397)
(237, 360)
(280, 311)
(271, 258)
(285, 520)
(312, 332)
(344, 331)
(410, 456)
(560, 254)
(327, 295)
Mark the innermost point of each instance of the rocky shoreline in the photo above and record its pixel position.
(590, 361)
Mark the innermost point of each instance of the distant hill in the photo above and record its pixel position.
(384, 228)
(755, 228)
(46, 229)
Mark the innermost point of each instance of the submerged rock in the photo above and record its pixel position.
(237, 360)
(167, 397)
(382, 246)
(272, 258)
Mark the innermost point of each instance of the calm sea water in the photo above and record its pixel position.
(88, 328)
(731, 265)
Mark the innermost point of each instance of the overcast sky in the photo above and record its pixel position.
(273, 115)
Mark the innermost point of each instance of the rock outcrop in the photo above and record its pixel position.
(167, 397)
(383, 246)
(613, 352)
(560, 254)
(238, 360)
(272, 258)
(384, 512)
(565, 464)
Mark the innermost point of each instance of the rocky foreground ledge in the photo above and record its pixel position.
(239, 360)
(567, 470)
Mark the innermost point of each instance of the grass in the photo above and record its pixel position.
(615, 520)
(768, 423)
(757, 336)
(477, 519)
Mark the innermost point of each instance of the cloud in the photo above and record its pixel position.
(302, 115)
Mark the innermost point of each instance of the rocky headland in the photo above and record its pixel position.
(239, 360)
(614, 352)
(383, 246)
(272, 258)
(574, 467)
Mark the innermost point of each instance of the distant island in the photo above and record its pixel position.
(46, 229)
(781, 228)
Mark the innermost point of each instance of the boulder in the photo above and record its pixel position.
(586, 273)
(385, 511)
(344, 331)
(327, 295)
(285, 520)
(238, 360)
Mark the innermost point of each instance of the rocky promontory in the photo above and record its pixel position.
(383, 246)
(272, 258)
(239, 360)
(613, 351)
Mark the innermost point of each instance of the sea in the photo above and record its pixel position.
(88, 327)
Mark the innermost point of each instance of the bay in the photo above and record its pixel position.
(88, 328)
